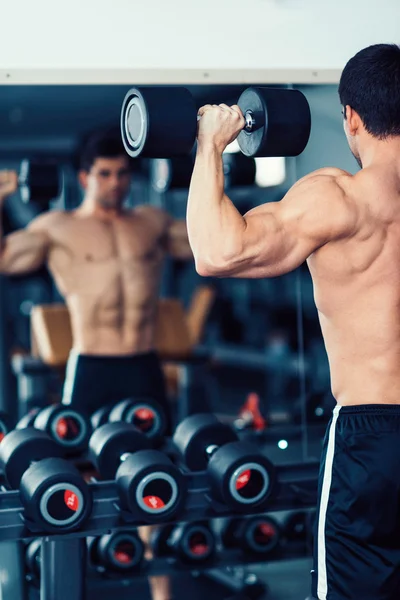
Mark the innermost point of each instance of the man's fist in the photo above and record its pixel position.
(219, 125)
(8, 184)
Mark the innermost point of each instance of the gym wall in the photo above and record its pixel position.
(151, 44)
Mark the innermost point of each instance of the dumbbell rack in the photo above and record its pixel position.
(63, 561)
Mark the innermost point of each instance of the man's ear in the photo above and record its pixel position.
(353, 119)
(83, 177)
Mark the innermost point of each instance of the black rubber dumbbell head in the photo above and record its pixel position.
(299, 525)
(159, 539)
(32, 557)
(100, 417)
(5, 424)
(145, 413)
(198, 432)
(20, 448)
(52, 490)
(149, 484)
(67, 426)
(28, 420)
(193, 542)
(120, 551)
(158, 122)
(254, 535)
(241, 476)
(280, 122)
(55, 496)
(112, 441)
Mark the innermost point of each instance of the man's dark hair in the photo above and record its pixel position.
(103, 144)
(370, 84)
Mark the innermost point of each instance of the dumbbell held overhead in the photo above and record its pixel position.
(149, 485)
(161, 122)
(240, 476)
(37, 180)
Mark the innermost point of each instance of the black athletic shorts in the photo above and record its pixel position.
(357, 533)
(95, 381)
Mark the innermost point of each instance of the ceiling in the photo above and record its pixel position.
(51, 120)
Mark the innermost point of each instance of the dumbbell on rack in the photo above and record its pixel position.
(5, 424)
(67, 426)
(117, 552)
(299, 525)
(150, 486)
(32, 558)
(52, 491)
(258, 535)
(145, 413)
(240, 476)
(189, 542)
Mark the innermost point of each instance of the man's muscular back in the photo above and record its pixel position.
(108, 270)
(357, 290)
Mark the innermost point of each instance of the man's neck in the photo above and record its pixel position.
(92, 208)
(381, 152)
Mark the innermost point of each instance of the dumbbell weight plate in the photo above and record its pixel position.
(4, 425)
(194, 542)
(28, 420)
(32, 557)
(111, 441)
(158, 122)
(55, 496)
(261, 534)
(282, 122)
(299, 525)
(146, 414)
(20, 448)
(240, 476)
(39, 182)
(100, 417)
(198, 432)
(159, 539)
(66, 426)
(150, 486)
(120, 551)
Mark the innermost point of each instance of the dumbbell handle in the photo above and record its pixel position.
(253, 121)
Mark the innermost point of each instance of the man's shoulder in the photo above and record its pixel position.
(153, 213)
(49, 219)
(327, 175)
(329, 180)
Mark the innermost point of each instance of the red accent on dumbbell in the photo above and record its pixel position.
(243, 479)
(2, 435)
(145, 416)
(71, 500)
(66, 425)
(198, 548)
(122, 555)
(264, 532)
(153, 502)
